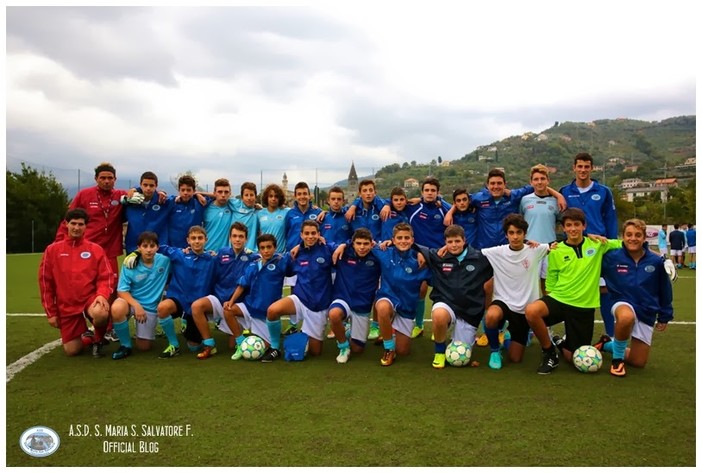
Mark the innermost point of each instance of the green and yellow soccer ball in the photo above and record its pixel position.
(253, 347)
(587, 359)
(458, 353)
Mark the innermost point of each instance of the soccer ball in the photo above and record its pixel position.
(587, 359)
(458, 353)
(252, 348)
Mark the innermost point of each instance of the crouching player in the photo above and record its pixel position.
(357, 275)
(139, 291)
(457, 290)
(643, 298)
(262, 282)
(517, 268)
(572, 283)
(398, 295)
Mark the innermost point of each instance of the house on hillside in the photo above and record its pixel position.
(410, 182)
(631, 183)
(666, 182)
(630, 194)
(631, 168)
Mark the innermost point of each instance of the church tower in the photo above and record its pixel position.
(352, 184)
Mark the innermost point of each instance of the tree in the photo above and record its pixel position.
(36, 203)
(439, 160)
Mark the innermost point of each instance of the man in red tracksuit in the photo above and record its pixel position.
(75, 281)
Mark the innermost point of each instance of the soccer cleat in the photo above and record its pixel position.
(246, 332)
(271, 355)
(290, 330)
(331, 334)
(111, 336)
(237, 354)
(97, 350)
(482, 341)
(207, 352)
(549, 362)
(559, 342)
(617, 368)
(121, 353)
(495, 360)
(170, 352)
(87, 338)
(344, 354)
(183, 325)
(374, 333)
(388, 358)
(417, 332)
(159, 332)
(604, 338)
(439, 361)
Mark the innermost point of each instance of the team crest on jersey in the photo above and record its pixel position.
(370, 263)
(375, 217)
(649, 268)
(114, 203)
(156, 208)
(596, 197)
(590, 252)
(437, 216)
(192, 211)
(314, 217)
(244, 258)
(470, 268)
(161, 270)
(408, 270)
(321, 260)
(525, 263)
(345, 227)
(279, 217)
(270, 267)
(85, 255)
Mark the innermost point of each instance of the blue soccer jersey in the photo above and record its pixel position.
(427, 220)
(313, 267)
(229, 267)
(491, 214)
(146, 283)
(468, 220)
(356, 280)
(293, 224)
(191, 275)
(263, 283)
(247, 216)
(401, 279)
(218, 220)
(598, 204)
(334, 228)
(368, 217)
(147, 216)
(273, 223)
(183, 216)
(540, 213)
(394, 218)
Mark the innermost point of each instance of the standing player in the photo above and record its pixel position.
(663, 240)
(642, 297)
(229, 265)
(691, 237)
(398, 295)
(465, 215)
(678, 241)
(75, 281)
(271, 218)
(334, 227)
(218, 216)
(244, 211)
(457, 290)
(149, 215)
(365, 212)
(187, 210)
(597, 202)
(139, 291)
(572, 281)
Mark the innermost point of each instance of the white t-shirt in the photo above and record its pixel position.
(516, 274)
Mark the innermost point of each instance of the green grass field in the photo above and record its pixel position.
(318, 413)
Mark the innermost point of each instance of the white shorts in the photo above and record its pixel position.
(400, 324)
(217, 310)
(641, 331)
(147, 330)
(360, 323)
(462, 330)
(290, 281)
(676, 252)
(603, 283)
(313, 323)
(692, 250)
(256, 326)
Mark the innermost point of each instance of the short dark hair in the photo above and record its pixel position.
(187, 180)
(105, 167)
(366, 182)
(454, 231)
(278, 193)
(363, 234)
(397, 191)
(149, 175)
(515, 220)
(309, 223)
(248, 185)
(264, 237)
(197, 229)
(583, 157)
(573, 213)
(222, 182)
(239, 226)
(147, 237)
(459, 191)
(301, 185)
(402, 227)
(76, 214)
(336, 189)
(431, 181)
(496, 173)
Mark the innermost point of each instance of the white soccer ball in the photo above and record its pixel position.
(587, 359)
(458, 353)
(253, 347)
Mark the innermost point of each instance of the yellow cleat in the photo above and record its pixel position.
(482, 341)
(417, 332)
(439, 361)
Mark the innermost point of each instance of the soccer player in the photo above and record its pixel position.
(365, 211)
(516, 269)
(271, 218)
(642, 298)
(457, 290)
(691, 237)
(334, 227)
(465, 215)
(191, 278)
(311, 295)
(398, 295)
(597, 202)
(218, 216)
(187, 210)
(572, 285)
(398, 213)
(139, 291)
(262, 284)
(76, 281)
(244, 211)
(231, 261)
(355, 285)
(663, 240)
(678, 241)
(150, 215)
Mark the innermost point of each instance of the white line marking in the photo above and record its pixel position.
(27, 360)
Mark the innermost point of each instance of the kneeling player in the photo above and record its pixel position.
(642, 296)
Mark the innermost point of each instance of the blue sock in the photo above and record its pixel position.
(493, 336)
(122, 329)
(389, 344)
(344, 345)
(606, 313)
(240, 339)
(274, 329)
(618, 349)
(608, 347)
(208, 342)
(419, 314)
(440, 347)
(169, 329)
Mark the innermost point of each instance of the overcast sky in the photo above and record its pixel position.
(242, 91)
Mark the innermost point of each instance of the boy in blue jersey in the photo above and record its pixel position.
(229, 266)
(192, 269)
(691, 237)
(642, 298)
(261, 285)
(397, 298)
(355, 285)
(187, 210)
(150, 215)
(271, 218)
(218, 216)
(311, 295)
(465, 215)
(244, 211)
(138, 293)
(597, 202)
(367, 209)
(334, 227)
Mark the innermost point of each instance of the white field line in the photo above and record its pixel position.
(27, 360)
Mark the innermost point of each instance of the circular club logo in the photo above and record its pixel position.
(39, 441)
